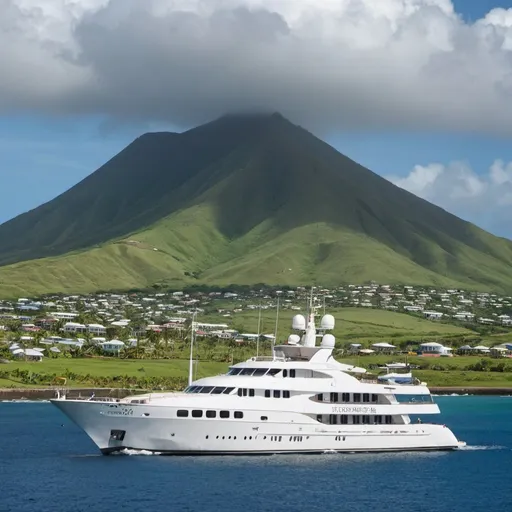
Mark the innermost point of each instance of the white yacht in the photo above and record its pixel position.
(300, 400)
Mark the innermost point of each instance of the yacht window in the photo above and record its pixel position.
(273, 371)
(218, 391)
(227, 391)
(285, 373)
(277, 393)
(356, 420)
(264, 418)
(234, 371)
(197, 389)
(247, 371)
(197, 414)
(259, 372)
(207, 389)
(211, 414)
(320, 397)
(244, 391)
(366, 397)
(267, 393)
(182, 413)
(239, 392)
(333, 419)
(378, 419)
(238, 415)
(188, 389)
(286, 394)
(389, 420)
(343, 419)
(375, 398)
(251, 392)
(357, 398)
(366, 420)
(224, 414)
(334, 397)
(292, 374)
(345, 397)
(319, 418)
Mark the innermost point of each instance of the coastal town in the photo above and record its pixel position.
(34, 328)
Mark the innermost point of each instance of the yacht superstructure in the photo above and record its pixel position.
(300, 400)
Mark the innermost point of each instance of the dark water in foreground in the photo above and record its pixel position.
(48, 467)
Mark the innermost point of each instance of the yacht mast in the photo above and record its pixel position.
(259, 333)
(192, 338)
(275, 333)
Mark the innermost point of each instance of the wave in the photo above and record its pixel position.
(23, 401)
(482, 447)
(130, 452)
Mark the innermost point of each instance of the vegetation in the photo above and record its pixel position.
(241, 200)
(172, 374)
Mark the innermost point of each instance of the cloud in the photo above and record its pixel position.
(330, 64)
(482, 198)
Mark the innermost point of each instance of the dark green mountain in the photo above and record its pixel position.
(243, 199)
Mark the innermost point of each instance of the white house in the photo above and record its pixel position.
(464, 316)
(432, 315)
(383, 347)
(435, 348)
(74, 327)
(96, 329)
(114, 346)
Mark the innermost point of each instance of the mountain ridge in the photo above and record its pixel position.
(240, 183)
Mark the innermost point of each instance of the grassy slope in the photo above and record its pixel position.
(260, 213)
(352, 325)
(188, 241)
(179, 368)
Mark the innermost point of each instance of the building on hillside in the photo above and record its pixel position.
(383, 348)
(113, 346)
(433, 348)
(63, 315)
(74, 327)
(464, 316)
(96, 329)
(433, 315)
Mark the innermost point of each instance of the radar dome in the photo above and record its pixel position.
(299, 323)
(328, 341)
(293, 339)
(327, 322)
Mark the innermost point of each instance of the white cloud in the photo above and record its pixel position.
(326, 64)
(485, 199)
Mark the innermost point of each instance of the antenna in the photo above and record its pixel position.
(192, 337)
(324, 303)
(259, 333)
(277, 323)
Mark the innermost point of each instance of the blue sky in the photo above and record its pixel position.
(47, 147)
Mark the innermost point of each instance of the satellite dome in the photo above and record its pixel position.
(299, 323)
(327, 322)
(328, 341)
(293, 339)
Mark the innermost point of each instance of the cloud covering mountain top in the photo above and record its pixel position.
(408, 64)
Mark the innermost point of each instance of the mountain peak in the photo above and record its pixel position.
(247, 198)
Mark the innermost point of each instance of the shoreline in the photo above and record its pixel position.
(7, 394)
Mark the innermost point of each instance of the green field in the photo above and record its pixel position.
(448, 372)
(353, 325)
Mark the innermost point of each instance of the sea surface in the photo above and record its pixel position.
(48, 464)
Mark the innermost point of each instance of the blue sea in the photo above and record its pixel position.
(48, 464)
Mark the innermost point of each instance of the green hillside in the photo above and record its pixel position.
(241, 200)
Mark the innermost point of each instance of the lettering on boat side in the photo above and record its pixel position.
(122, 411)
(356, 409)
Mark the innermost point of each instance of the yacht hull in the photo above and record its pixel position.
(156, 429)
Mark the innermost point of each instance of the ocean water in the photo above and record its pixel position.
(48, 464)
